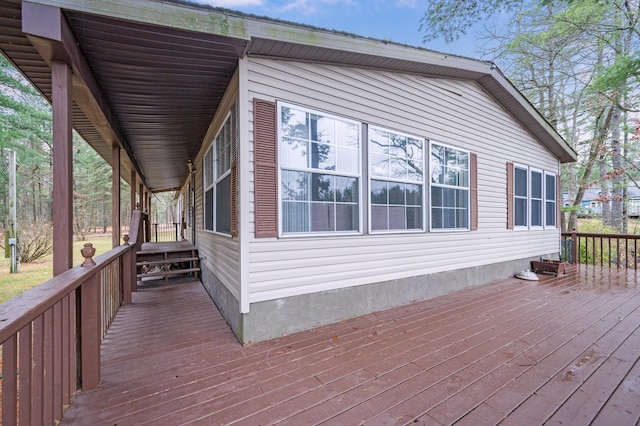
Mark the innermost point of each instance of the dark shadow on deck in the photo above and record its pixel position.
(562, 350)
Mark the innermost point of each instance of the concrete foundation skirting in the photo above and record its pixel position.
(274, 318)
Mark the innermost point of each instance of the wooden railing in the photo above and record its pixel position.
(611, 250)
(51, 334)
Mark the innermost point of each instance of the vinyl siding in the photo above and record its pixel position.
(219, 253)
(452, 112)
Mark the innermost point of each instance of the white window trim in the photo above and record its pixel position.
(430, 184)
(555, 203)
(526, 169)
(425, 146)
(530, 198)
(312, 234)
(216, 181)
(205, 188)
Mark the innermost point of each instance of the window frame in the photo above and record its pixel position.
(517, 166)
(309, 171)
(206, 187)
(215, 179)
(372, 177)
(432, 184)
(218, 179)
(533, 170)
(555, 200)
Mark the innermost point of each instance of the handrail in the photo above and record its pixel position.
(612, 250)
(51, 334)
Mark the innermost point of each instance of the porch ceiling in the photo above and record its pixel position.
(161, 85)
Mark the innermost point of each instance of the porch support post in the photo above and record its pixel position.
(62, 167)
(140, 194)
(115, 200)
(133, 192)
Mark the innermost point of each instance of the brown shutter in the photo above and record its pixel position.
(233, 228)
(473, 170)
(265, 168)
(558, 202)
(510, 220)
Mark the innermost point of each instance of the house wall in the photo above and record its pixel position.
(452, 112)
(219, 254)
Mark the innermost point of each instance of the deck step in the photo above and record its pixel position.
(166, 261)
(160, 257)
(169, 272)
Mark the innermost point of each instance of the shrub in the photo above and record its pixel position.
(36, 242)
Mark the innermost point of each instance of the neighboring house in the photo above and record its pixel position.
(334, 175)
(591, 203)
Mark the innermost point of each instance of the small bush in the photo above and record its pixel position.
(36, 242)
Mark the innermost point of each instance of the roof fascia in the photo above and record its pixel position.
(562, 150)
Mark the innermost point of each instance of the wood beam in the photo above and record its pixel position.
(62, 168)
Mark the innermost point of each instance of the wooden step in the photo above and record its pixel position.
(167, 273)
(156, 262)
(156, 252)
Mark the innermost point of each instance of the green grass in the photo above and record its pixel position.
(32, 274)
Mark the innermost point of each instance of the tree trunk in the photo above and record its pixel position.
(599, 136)
(616, 171)
(604, 197)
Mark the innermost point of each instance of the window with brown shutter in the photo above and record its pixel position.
(265, 168)
(510, 215)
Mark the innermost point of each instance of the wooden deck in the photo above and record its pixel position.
(562, 351)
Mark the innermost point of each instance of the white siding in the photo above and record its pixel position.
(456, 113)
(218, 253)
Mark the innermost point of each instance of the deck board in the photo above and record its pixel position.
(562, 350)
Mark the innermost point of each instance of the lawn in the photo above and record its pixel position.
(32, 274)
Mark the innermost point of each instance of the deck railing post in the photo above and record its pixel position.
(127, 280)
(91, 333)
(574, 247)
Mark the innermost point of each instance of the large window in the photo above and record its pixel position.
(449, 188)
(521, 196)
(550, 200)
(396, 170)
(536, 198)
(319, 172)
(216, 167)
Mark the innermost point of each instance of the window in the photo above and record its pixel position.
(532, 197)
(216, 166)
(207, 170)
(521, 196)
(319, 158)
(449, 188)
(550, 200)
(536, 198)
(223, 177)
(396, 170)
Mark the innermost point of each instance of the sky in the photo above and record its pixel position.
(389, 20)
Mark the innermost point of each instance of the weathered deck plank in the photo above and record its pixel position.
(563, 350)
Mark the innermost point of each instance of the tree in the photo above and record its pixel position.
(577, 62)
